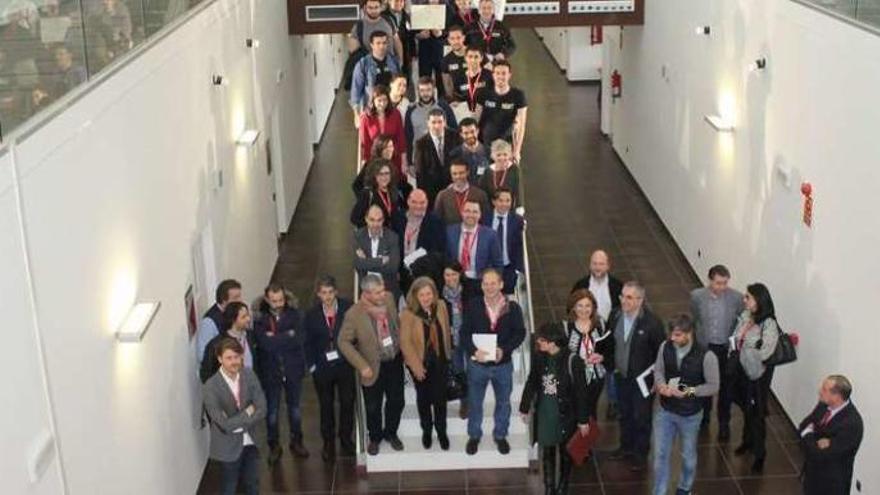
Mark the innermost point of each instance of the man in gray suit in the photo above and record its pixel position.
(235, 404)
(377, 250)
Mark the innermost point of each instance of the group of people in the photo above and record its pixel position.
(438, 250)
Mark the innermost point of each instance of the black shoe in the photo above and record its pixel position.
(426, 440)
(328, 453)
(297, 449)
(443, 440)
(472, 445)
(743, 449)
(611, 412)
(373, 448)
(503, 446)
(758, 466)
(395, 442)
(679, 491)
(348, 449)
(619, 455)
(723, 433)
(274, 454)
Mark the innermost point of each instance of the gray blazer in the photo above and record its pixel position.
(226, 419)
(389, 245)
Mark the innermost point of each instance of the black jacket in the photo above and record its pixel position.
(572, 391)
(647, 335)
(432, 170)
(615, 288)
(280, 346)
(368, 197)
(318, 336)
(829, 471)
(603, 345)
(432, 233)
(511, 328)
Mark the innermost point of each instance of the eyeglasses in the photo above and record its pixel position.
(384, 173)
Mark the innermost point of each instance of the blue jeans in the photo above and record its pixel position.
(666, 426)
(611, 388)
(479, 376)
(459, 359)
(292, 390)
(243, 468)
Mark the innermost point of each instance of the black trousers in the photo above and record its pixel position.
(635, 417)
(756, 396)
(431, 398)
(430, 61)
(509, 278)
(557, 468)
(724, 395)
(329, 382)
(388, 388)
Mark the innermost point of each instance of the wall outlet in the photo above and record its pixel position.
(601, 6)
(531, 8)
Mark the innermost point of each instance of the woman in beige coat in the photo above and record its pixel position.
(426, 343)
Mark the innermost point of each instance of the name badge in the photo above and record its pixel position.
(387, 341)
(496, 34)
(481, 170)
(463, 87)
(453, 67)
(491, 104)
(507, 106)
(332, 356)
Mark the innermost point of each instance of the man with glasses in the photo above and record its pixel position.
(638, 334)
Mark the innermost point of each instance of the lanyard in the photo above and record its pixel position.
(461, 199)
(487, 33)
(386, 200)
(272, 325)
(410, 234)
(473, 86)
(465, 16)
(498, 184)
(494, 316)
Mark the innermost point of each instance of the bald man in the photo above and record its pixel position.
(420, 229)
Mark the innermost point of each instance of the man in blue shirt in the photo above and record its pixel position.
(378, 67)
(228, 291)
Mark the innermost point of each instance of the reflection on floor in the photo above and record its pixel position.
(579, 197)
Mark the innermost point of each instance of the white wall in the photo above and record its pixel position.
(814, 111)
(572, 52)
(114, 191)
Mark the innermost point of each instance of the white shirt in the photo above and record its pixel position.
(811, 427)
(235, 386)
(602, 293)
(374, 245)
(505, 259)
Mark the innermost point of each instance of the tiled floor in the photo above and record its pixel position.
(579, 197)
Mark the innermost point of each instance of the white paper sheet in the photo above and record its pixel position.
(414, 256)
(428, 17)
(641, 380)
(54, 29)
(487, 342)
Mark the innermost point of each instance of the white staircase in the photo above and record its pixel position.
(414, 457)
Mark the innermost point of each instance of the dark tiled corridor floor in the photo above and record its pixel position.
(579, 197)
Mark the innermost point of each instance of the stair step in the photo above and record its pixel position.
(410, 426)
(409, 393)
(414, 457)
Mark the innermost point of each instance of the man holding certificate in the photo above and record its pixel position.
(492, 329)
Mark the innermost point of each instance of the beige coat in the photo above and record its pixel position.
(412, 337)
(358, 341)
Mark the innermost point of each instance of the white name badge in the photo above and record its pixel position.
(332, 356)
(481, 170)
(387, 341)
(507, 106)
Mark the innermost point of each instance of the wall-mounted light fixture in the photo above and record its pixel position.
(252, 43)
(704, 30)
(719, 123)
(247, 137)
(759, 64)
(136, 322)
(218, 80)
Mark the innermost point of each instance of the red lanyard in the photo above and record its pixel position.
(487, 34)
(473, 86)
(272, 324)
(493, 321)
(386, 200)
(409, 234)
(461, 199)
(465, 16)
(498, 184)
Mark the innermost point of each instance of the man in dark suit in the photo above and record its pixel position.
(281, 365)
(235, 404)
(422, 238)
(377, 250)
(475, 246)
(638, 334)
(331, 373)
(432, 154)
(509, 226)
(830, 438)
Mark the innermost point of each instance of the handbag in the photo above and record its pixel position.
(579, 446)
(456, 385)
(785, 351)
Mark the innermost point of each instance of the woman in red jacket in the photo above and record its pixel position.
(381, 118)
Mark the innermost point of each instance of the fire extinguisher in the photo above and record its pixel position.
(596, 35)
(616, 84)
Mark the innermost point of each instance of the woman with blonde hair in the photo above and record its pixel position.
(426, 343)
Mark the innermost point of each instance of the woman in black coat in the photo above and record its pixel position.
(381, 188)
(556, 392)
(587, 337)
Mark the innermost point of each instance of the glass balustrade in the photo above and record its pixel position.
(866, 12)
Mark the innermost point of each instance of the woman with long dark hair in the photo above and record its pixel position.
(587, 338)
(382, 118)
(755, 341)
(381, 189)
(383, 147)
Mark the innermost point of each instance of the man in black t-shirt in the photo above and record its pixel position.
(490, 35)
(453, 62)
(468, 83)
(502, 110)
